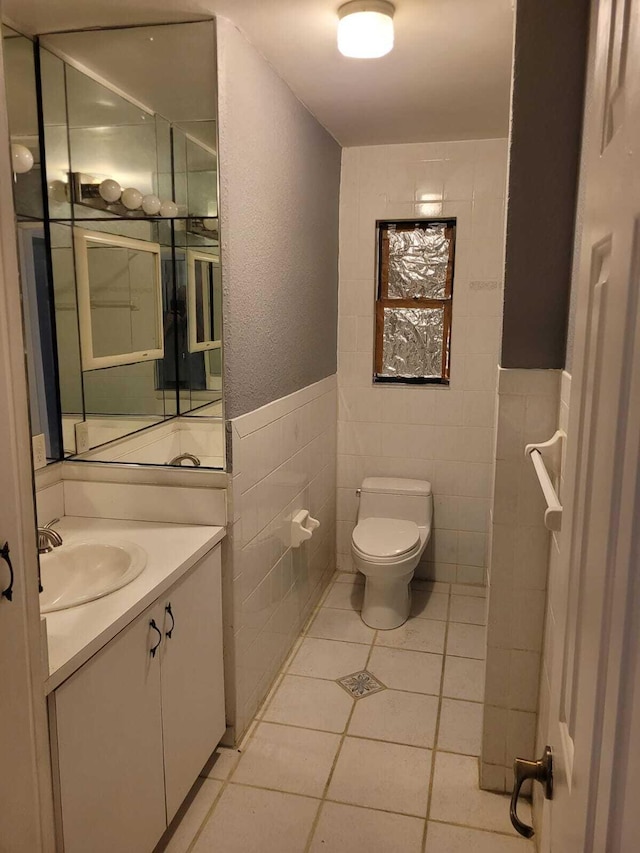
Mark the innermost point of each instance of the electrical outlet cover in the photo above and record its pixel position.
(39, 451)
(82, 437)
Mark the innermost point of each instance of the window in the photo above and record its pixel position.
(413, 308)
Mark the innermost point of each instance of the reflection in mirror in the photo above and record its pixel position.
(129, 156)
(204, 301)
(32, 237)
(119, 299)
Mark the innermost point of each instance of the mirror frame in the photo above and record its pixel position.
(194, 344)
(81, 237)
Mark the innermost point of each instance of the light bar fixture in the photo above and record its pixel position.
(365, 28)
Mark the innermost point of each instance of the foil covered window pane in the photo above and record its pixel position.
(412, 342)
(418, 263)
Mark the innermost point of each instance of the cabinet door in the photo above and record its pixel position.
(193, 715)
(108, 722)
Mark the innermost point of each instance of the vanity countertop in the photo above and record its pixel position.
(75, 634)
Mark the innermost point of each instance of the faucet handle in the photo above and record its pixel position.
(50, 524)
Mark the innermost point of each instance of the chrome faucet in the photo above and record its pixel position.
(48, 538)
(188, 457)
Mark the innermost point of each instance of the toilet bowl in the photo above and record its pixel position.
(392, 531)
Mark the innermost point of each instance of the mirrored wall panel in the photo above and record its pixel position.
(124, 191)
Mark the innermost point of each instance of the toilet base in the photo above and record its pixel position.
(387, 601)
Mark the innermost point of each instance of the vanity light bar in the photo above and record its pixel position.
(108, 195)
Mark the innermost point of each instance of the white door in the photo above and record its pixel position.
(595, 587)
(193, 717)
(26, 824)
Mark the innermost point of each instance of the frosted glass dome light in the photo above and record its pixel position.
(169, 208)
(21, 159)
(131, 198)
(110, 190)
(365, 28)
(151, 204)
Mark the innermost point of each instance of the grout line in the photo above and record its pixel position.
(285, 669)
(338, 752)
(437, 730)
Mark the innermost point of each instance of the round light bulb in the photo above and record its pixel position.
(151, 204)
(210, 224)
(58, 191)
(131, 198)
(21, 159)
(365, 28)
(169, 208)
(110, 190)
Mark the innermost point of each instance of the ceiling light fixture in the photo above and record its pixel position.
(365, 28)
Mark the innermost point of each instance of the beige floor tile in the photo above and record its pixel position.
(288, 759)
(467, 608)
(345, 596)
(328, 658)
(331, 624)
(420, 635)
(189, 819)
(361, 830)
(396, 716)
(349, 577)
(429, 605)
(418, 672)
(444, 838)
(250, 819)
(463, 679)
(382, 775)
(221, 763)
(311, 703)
(456, 796)
(467, 641)
(469, 589)
(460, 728)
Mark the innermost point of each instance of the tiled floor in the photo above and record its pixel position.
(396, 770)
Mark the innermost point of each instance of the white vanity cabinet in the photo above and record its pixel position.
(133, 727)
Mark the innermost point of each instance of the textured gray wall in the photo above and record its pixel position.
(279, 196)
(549, 72)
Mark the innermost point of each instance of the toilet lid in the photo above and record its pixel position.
(385, 537)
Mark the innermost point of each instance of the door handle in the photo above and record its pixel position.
(540, 771)
(4, 554)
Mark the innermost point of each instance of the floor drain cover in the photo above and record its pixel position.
(360, 684)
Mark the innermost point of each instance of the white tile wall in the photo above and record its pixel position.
(528, 407)
(284, 459)
(441, 434)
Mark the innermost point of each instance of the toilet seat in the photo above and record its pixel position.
(385, 539)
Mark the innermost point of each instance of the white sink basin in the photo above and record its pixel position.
(83, 571)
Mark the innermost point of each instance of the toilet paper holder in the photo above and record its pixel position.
(302, 527)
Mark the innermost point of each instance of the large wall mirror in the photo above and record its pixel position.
(119, 239)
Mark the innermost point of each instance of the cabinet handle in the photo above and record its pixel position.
(154, 649)
(173, 620)
(4, 554)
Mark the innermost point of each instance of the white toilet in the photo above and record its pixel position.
(392, 531)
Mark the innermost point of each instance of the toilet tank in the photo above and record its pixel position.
(393, 497)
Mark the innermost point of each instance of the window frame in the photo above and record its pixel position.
(384, 301)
